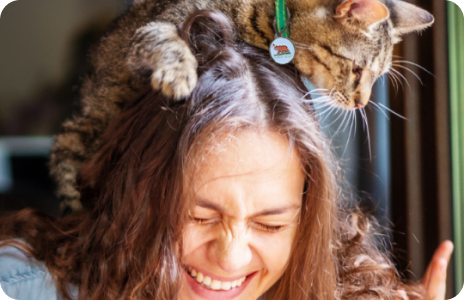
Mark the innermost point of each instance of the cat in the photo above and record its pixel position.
(342, 47)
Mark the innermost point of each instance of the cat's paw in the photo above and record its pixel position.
(178, 76)
(157, 47)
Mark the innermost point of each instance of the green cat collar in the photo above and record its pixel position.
(282, 49)
(281, 18)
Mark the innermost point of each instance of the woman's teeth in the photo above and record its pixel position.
(214, 284)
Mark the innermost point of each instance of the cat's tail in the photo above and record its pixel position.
(72, 148)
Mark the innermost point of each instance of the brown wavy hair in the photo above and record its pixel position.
(125, 244)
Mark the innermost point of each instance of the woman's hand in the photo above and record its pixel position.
(434, 280)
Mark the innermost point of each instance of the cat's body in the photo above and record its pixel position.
(340, 47)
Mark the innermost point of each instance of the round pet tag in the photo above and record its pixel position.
(282, 50)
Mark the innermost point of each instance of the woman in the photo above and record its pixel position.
(230, 194)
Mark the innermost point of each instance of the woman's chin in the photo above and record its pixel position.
(191, 289)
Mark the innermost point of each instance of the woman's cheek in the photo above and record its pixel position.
(194, 236)
(274, 249)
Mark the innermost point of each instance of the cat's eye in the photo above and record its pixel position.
(358, 72)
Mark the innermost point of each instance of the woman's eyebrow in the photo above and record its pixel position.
(209, 205)
(267, 212)
(276, 211)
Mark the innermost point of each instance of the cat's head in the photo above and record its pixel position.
(344, 48)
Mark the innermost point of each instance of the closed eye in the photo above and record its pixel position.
(213, 221)
(269, 228)
(202, 221)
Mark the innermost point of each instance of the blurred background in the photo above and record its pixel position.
(407, 167)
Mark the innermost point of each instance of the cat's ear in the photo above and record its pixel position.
(407, 18)
(368, 12)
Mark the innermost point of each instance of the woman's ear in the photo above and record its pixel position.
(368, 12)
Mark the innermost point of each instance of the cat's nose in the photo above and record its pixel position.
(361, 98)
(358, 104)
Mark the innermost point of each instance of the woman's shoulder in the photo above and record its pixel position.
(24, 278)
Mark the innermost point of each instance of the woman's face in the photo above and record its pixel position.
(248, 194)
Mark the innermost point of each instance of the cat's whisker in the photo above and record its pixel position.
(320, 114)
(414, 64)
(379, 108)
(326, 99)
(352, 119)
(362, 118)
(327, 105)
(407, 69)
(324, 110)
(393, 81)
(391, 111)
(343, 113)
(343, 122)
(333, 104)
(336, 119)
(370, 107)
(392, 73)
(402, 76)
(331, 92)
(349, 122)
(317, 100)
(394, 77)
(327, 102)
(328, 109)
(322, 106)
(321, 95)
(318, 91)
(328, 113)
(383, 79)
(322, 92)
(363, 113)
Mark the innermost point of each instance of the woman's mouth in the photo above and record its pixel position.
(216, 288)
(214, 284)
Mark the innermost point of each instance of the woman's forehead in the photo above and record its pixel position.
(252, 168)
(261, 153)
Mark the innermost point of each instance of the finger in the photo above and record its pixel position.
(443, 251)
(426, 279)
(437, 284)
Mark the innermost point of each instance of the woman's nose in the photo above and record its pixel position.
(231, 251)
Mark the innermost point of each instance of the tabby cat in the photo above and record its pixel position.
(342, 47)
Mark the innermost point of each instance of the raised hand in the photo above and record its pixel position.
(434, 280)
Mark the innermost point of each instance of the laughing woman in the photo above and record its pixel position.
(230, 194)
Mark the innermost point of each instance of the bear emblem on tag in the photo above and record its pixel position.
(282, 50)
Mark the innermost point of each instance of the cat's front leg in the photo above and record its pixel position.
(158, 49)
